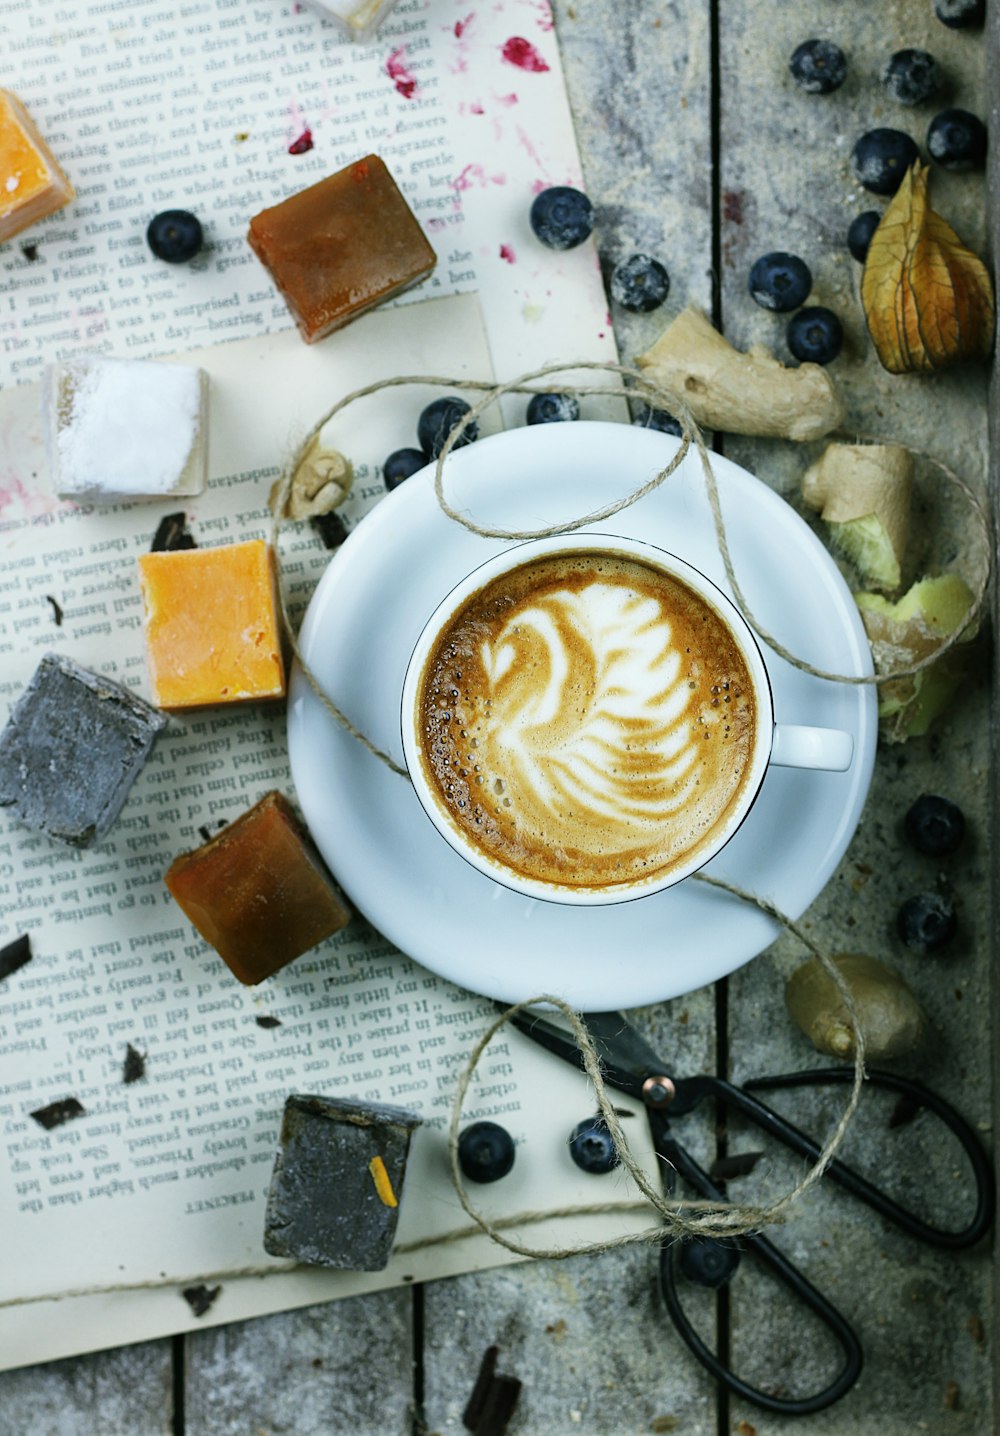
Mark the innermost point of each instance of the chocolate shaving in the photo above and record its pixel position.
(172, 534)
(14, 955)
(204, 834)
(56, 1113)
(474, 1405)
(200, 1298)
(30, 252)
(134, 1066)
(498, 1408)
(493, 1398)
(331, 529)
(904, 1111)
(740, 1164)
(57, 612)
(265, 1021)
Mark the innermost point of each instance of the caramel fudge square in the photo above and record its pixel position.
(74, 744)
(337, 1182)
(211, 623)
(341, 246)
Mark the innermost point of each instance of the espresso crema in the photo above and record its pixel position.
(587, 720)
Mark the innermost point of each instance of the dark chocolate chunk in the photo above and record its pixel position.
(904, 1111)
(200, 1298)
(134, 1066)
(56, 1113)
(14, 955)
(73, 745)
(331, 528)
(265, 1021)
(30, 252)
(57, 612)
(337, 1180)
(171, 534)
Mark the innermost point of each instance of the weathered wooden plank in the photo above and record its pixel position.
(118, 1393)
(786, 184)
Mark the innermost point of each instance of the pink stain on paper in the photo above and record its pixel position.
(507, 100)
(462, 25)
(303, 144)
(400, 74)
(30, 504)
(507, 253)
(522, 53)
(475, 174)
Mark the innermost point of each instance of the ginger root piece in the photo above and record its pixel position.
(321, 482)
(904, 632)
(737, 393)
(863, 492)
(891, 1019)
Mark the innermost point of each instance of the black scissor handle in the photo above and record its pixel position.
(852, 1181)
(685, 1166)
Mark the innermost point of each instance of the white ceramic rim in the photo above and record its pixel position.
(656, 557)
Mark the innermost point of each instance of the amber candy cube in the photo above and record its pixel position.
(341, 246)
(258, 891)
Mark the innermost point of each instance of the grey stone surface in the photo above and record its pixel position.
(115, 1393)
(334, 1370)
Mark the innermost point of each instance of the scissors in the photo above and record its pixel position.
(629, 1064)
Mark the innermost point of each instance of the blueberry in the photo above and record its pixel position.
(912, 77)
(935, 826)
(961, 14)
(562, 217)
(859, 236)
(552, 409)
(639, 283)
(818, 66)
(957, 140)
(400, 464)
(658, 419)
(815, 335)
(591, 1147)
(485, 1152)
(175, 235)
(927, 922)
(780, 281)
(881, 158)
(437, 421)
(708, 1261)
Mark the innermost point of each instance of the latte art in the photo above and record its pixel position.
(587, 719)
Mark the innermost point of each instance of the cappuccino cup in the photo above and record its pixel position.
(588, 719)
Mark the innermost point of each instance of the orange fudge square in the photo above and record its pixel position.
(258, 891)
(341, 246)
(32, 186)
(212, 632)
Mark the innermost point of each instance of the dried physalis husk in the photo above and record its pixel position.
(928, 300)
(321, 482)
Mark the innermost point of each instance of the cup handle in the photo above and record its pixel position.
(796, 746)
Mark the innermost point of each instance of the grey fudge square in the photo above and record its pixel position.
(73, 745)
(323, 1206)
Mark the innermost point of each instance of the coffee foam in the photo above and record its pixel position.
(587, 720)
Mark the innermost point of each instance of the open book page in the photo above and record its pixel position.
(163, 1180)
(226, 109)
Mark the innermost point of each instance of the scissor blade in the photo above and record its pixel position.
(626, 1060)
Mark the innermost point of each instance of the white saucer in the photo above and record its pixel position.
(360, 629)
